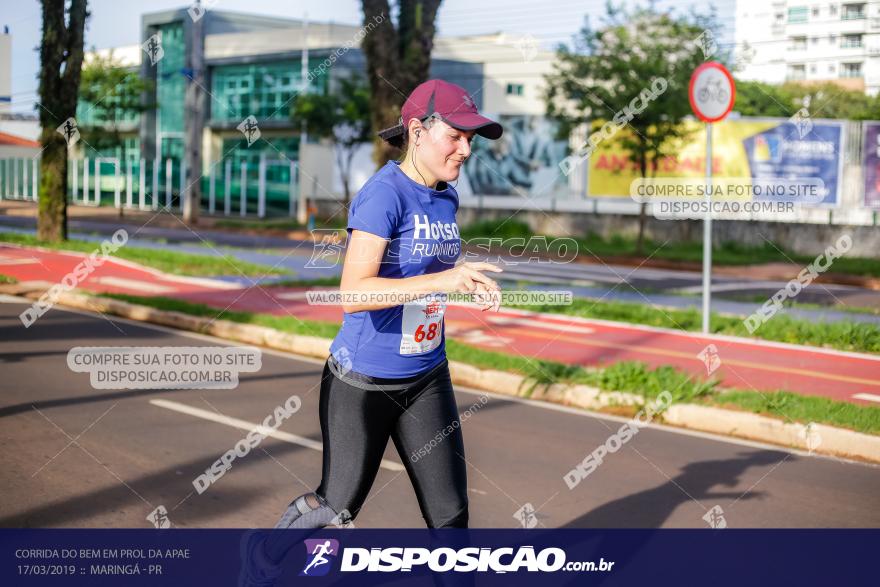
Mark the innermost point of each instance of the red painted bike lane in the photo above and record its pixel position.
(744, 363)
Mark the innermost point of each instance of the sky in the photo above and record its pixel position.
(115, 23)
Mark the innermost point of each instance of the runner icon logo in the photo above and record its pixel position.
(715, 518)
(710, 358)
(320, 554)
(327, 249)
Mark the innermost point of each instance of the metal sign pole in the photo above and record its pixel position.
(707, 233)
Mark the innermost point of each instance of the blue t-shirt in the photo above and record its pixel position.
(409, 339)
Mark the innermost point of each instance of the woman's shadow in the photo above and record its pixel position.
(650, 508)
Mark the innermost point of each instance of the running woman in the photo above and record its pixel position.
(387, 375)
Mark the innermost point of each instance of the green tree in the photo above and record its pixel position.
(398, 60)
(822, 100)
(761, 99)
(110, 97)
(609, 67)
(343, 116)
(61, 56)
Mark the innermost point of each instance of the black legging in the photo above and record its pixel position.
(420, 417)
(358, 415)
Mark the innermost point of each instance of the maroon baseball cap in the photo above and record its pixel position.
(449, 102)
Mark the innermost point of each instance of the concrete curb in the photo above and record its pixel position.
(818, 438)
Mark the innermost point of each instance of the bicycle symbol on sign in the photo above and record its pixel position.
(713, 90)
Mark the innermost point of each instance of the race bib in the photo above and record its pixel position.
(422, 325)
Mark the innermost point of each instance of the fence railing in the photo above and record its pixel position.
(268, 188)
(19, 178)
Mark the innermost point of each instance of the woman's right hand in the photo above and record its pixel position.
(487, 299)
(464, 277)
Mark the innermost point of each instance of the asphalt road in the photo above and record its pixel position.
(74, 456)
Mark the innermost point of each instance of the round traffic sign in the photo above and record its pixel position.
(711, 92)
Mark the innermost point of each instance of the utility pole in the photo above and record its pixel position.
(194, 106)
(302, 210)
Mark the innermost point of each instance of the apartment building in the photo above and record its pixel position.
(799, 40)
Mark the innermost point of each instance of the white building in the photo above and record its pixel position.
(805, 40)
(513, 69)
(5, 70)
(17, 125)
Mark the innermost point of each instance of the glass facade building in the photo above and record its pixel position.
(170, 87)
(262, 90)
(251, 66)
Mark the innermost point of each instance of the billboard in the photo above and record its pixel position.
(524, 161)
(754, 148)
(871, 163)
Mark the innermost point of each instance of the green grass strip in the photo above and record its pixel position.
(803, 408)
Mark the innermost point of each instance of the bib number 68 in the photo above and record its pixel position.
(422, 326)
(421, 335)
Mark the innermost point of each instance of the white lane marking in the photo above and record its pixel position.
(476, 336)
(248, 426)
(4, 260)
(612, 276)
(291, 295)
(868, 397)
(509, 320)
(548, 279)
(8, 299)
(735, 286)
(740, 285)
(132, 284)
